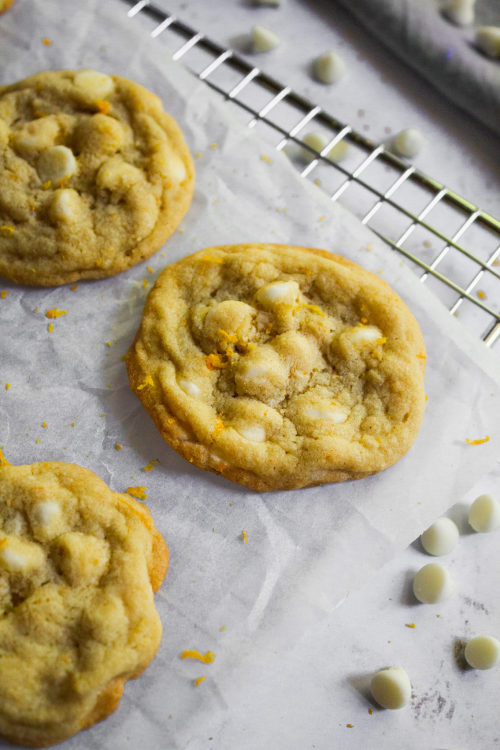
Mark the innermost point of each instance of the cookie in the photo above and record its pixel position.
(94, 176)
(4, 4)
(279, 367)
(78, 567)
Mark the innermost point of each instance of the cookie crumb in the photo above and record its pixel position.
(138, 492)
(4, 294)
(150, 465)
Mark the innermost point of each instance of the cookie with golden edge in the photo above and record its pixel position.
(279, 367)
(5, 4)
(94, 176)
(78, 568)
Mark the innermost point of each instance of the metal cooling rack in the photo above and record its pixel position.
(450, 243)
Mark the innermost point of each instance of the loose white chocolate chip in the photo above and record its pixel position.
(433, 584)
(362, 336)
(482, 652)
(329, 68)
(391, 688)
(47, 512)
(263, 40)
(336, 416)
(93, 83)
(441, 537)
(253, 432)
(459, 12)
(408, 143)
(318, 142)
(189, 387)
(484, 514)
(65, 206)
(278, 292)
(55, 164)
(488, 39)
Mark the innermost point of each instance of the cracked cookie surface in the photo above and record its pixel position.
(279, 367)
(78, 567)
(94, 176)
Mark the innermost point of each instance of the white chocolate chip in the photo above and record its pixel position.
(189, 387)
(441, 537)
(47, 512)
(459, 12)
(95, 84)
(253, 432)
(278, 292)
(484, 513)
(391, 688)
(65, 206)
(482, 652)
(408, 143)
(252, 371)
(488, 40)
(169, 163)
(433, 584)
(336, 416)
(362, 336)
(35, 136)
(20, 557)
(319, 141)
(118, 175)
(329, 68)
(263, 40)
(55, 164)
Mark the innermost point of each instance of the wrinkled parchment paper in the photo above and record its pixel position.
(247, 602)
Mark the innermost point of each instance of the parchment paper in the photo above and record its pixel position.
(249, 603)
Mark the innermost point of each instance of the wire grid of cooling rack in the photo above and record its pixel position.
(451, 244)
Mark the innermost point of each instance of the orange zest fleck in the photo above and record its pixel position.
(265, 158)
(46, 185)
(197, 155)
(206, 658)
(244, 536)
(215, 361)
(73, 287)
(150, 465)
(370, 711)
(148, 380)
(421, 355)
(199, 680)
(481, 294)
(219, 426)
(7, 386)
(46, 41)
(55, 313)
(103, 106)
(4, 293)
(108, 343)
(150, 269)
(477, 442)
(118, 447)
(50, 327)
(350, 726)
(7, 228)
(3, 460)
(138, 492)
(410, 625)
(144, 284)
(211, 259)
(314, 309)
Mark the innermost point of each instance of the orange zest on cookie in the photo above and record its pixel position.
(3, 460)
(148, 380)
(103, 106)
(215, 361)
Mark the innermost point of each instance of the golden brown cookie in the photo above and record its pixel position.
(94, 176)
(78, 567)
(279, 367)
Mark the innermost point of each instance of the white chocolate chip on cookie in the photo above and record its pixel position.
(65, 206)
(55, 164)
(189, 387)
(253, 432)
(93, 83)
(18, 556)
(278, 293)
